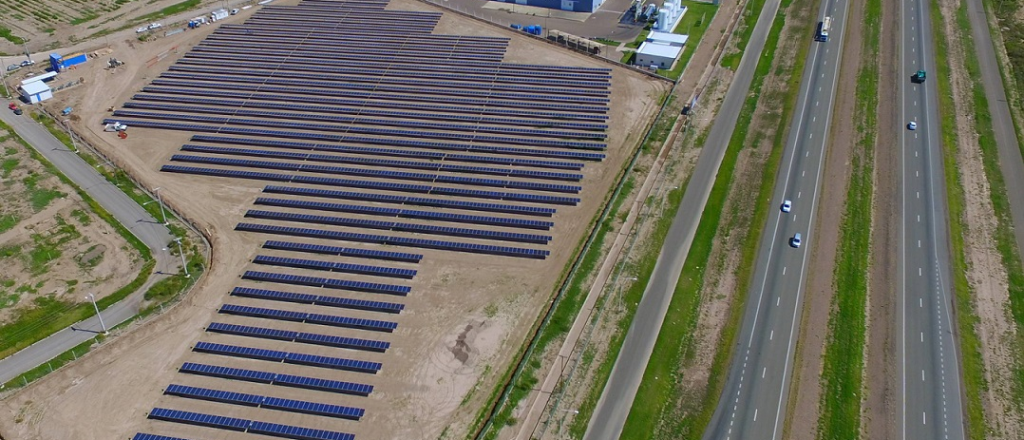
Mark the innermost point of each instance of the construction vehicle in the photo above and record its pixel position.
(114, 62)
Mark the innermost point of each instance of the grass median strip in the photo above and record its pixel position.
(664, 413)
(970, 346)
(751, 11)
(842, 371)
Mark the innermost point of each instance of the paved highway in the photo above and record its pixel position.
(132, 216)
(620, 391)
(1010, 162)
(929, 370)
(753, 401)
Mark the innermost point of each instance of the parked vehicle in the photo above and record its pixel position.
(13, 67)
(27, 63)
(18, 111)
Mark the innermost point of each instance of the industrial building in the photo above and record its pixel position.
(669, 16)
(565, 5)
(660, 50)
(35, 90)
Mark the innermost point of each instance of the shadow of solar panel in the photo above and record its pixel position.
(291, 336)
(335, 267)
(406, 213)
(404, 227)
(326, 282)
(290, 358)
(311, 318)
(311, 383)
(396, 241)
(144, 436)
(264, 402)
(199, 419)
(420, 201)
(335, 250)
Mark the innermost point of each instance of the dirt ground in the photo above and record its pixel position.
(50, 24)
(449, 347)
(985, 272)
(52, 246)
(805, 394)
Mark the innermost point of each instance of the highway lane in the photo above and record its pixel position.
(617, 398)
(753, 401)
(930, 406)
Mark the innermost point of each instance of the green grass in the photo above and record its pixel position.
(974, 383)
(694, 23)
(658, 414)
(82, 217)
(6, 34)
(170, 10)
(39, 197)
(742, 34)
(8, 221)
(842, 373)
(168, 287)
(8, 299)
(8, 166)
(51, 365)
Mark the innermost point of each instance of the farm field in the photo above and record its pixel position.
(53, 249)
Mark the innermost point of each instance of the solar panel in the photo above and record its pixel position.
(227, 373)
(396, 241)
(290, 358)
(143, 436)
(310, 318)
(297, 432)
(321, 409)
(326, 282)
(313, 383)
(213, 395)
(335, 267)
(236, 424)
(406, 213)
(357, 304)
(309, 338)
(265, 402)
(348, 252)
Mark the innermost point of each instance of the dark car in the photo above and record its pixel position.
(18, 111)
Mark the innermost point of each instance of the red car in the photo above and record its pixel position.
(12, 106)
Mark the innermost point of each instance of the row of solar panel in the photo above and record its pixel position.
(553, 117)
(394, 241)
(317, 300)
(308, 318)
(391, 62)
(344, 251)
(465, 137)
(351, 44)
(276, 63)
(299, 406)
(375, 173)
(386, 163)
(253, 426)
(481, 40)
(145, 436)
(405, 200)
(332, 283)
(407, 213)
(311, 383)
(288, 357)
(335, 82)
(289, 36)
(366, 120)
(308, 338)
(400, 227)
(382, 95)
(351, 51)
(344, 18)
(364, 111)
(385, 186)
(375, 27)
(333, 266)
(431, 155)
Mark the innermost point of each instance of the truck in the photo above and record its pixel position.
(219, 14)
(823, 28)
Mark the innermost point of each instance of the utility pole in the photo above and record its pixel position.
(67, 124)
(3, 78)
(182, 253)
(161, 202)
(98, 315)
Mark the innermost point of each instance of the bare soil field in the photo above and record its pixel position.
(465, 319)
(53, 248)
(43, 25)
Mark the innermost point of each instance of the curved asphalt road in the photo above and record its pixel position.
(620, 391)
(753, 402)
(132, 216)
(929, 369)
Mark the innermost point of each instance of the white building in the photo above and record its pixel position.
(660, 50)
(35, 90)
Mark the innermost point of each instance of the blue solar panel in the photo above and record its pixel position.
(396, 241)
(311, 318)
(277, 379)
(265, 402)
(144, 436)
(291, 358)
(335, 267)
(309, 338)
(348, 252)
(405, 227)
(199, 419)
(227, 373)
(406, 213)
(421, 201)
(297, 432)
(326, 282)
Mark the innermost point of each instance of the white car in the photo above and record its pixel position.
(787, 206)
(795, 241)
(141, 30)
(912, 125)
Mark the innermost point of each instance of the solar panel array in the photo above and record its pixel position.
(375, 137)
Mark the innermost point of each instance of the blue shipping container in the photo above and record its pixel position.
(75, 60)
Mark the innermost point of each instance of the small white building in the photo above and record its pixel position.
(660, 50)
(35, 90)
